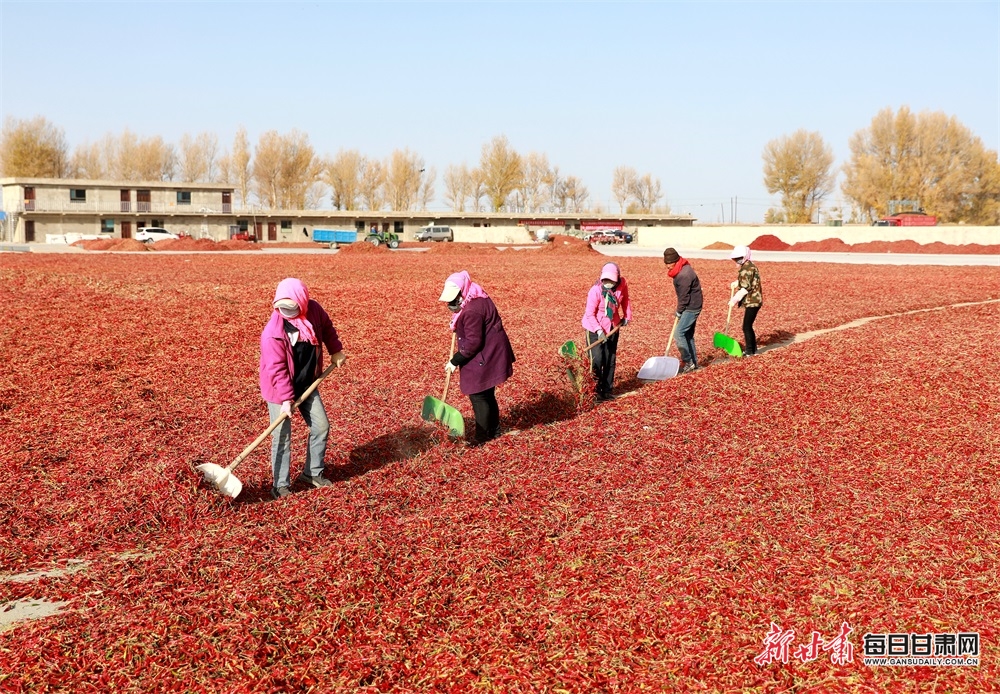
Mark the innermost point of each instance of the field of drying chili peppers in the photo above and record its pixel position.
(647, 543)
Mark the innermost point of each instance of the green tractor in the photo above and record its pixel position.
(376, 238)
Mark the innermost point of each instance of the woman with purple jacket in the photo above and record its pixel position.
(484, 357)
(291, 358)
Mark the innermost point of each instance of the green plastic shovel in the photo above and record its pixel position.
(569, 348)
(435, 410)
(723, 341)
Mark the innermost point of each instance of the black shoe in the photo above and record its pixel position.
(317, 482)
(280, 492)
(688, 368)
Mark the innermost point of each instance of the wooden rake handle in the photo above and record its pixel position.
(447, 376)
(603, 339)
(282, 417)
(671, 338)
(730, 314)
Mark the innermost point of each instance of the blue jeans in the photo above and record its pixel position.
(281, 440)
(685, 336)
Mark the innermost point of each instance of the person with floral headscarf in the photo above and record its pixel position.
(484, 358)
(291, 358)
(748, 294)
(608, 307)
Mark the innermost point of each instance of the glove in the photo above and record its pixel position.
(286, 408)
(338, 359)
(623, 323)
(738, 297)
(677, 314)
(449, 367)
(600, 333)
(735, 285)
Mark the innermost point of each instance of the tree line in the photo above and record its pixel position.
(927, 157)
(284, 171)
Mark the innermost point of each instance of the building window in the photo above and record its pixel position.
(77, 195)
(107, 226)
(286, 224)
(183, 197)
(244, 225)
(158, 223)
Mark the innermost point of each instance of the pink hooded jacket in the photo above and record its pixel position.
(276, 361)
(594, 315)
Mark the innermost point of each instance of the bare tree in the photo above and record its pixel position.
(535, 184)
(402, 179)
(623, 185)
(502, 169)
(300, 169)
(343, 175)
(798, 167)
(477, 189)
(33, 148)
(197, 157)
(647, 191)
(928, 157)
(267, 169)
(426, 193)
(576, 194)
(88, 161)
(241, 173)
(457, 186)
(372, 188)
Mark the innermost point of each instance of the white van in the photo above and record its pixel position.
(435, 232)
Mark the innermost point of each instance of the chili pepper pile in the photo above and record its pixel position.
(643, 543)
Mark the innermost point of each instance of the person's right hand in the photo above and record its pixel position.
(600, 333)
(735, 285)
(286, 408)
(338, 359)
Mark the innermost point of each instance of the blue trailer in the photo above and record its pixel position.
(334, 237)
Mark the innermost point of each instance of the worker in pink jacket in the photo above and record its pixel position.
(291, 358)
(608, 308)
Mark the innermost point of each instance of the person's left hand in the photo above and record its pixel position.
(623, 323)
(449, 367)
(677, 314)
(338, 359)
(733, 302)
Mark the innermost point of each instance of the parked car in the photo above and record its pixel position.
(153, 234)
(604, 236)
(433, 232)
(623, 235)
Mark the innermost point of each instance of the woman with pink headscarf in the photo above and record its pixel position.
(608, 307)
(747, 293)
(484, 357)
(291, 358)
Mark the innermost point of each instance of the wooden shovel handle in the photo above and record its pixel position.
(603, 339)
(282, 417)
(447, 376)
(730, 314)
(671, 339)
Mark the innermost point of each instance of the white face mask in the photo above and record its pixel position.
(289, 312)
(608, 285)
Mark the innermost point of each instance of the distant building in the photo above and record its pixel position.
(40, 210)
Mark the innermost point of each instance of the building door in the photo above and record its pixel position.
(227, 202)
(126, 199)
(29, 199)
(126, 230)
(257, 230)
(142, 200)
(272, 231)
(29, 231)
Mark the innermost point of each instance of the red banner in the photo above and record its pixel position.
(541, 223)
(594, 225)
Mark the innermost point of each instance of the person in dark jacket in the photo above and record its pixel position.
(689, 303)
(484, 358)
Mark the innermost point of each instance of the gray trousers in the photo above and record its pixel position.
(314, 413)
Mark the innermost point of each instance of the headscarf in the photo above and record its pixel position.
(469, 290)
(609, 301)
(741, 252)
(678, 266)
(294, 289)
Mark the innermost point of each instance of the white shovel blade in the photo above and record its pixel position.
(659, 369)
(224, 481)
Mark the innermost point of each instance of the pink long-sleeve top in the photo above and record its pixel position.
(594, 315)
(277, 366)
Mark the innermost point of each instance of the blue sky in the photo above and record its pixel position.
(690, 92)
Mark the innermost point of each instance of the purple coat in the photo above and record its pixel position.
(276, 362)
(484, 352)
